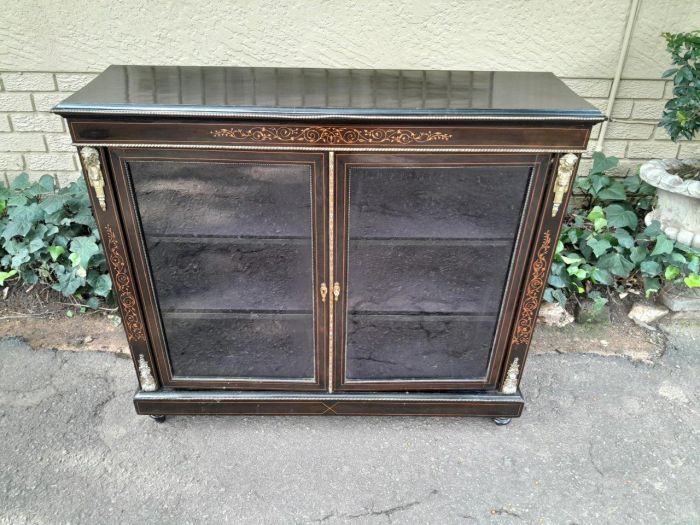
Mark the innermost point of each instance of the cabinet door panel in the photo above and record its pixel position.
(228, 248)
(425, 245)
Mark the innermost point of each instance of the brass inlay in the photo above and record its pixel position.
(331, 250)
(336, 291)
(538, 277)
(324, 292)
(122, 285)
(331, 135)
(561, 184)
(395, 149)
(324, 116)
(510, 383)
(91, 161)
(148, 384)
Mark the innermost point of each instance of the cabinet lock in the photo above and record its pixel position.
(324, 292)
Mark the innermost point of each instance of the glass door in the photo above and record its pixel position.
(232, 248)
(425, 244)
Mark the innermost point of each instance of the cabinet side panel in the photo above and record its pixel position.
(126, 291)
(557, 192)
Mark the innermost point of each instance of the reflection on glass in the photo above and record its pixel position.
(429, 251)
(230, 250)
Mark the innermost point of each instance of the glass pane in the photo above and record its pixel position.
(230, 249)
(429, 250)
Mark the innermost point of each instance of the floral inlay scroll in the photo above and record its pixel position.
(333, 135)
(122, 285)
(533, 293)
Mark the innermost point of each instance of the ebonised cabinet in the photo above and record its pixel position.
(310, 241)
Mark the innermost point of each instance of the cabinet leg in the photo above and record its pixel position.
(500, 421)
(158, 419)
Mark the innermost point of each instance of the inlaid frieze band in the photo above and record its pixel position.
(334, 135)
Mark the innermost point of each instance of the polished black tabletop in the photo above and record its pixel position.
(327, 93)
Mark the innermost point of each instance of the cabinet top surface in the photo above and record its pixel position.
(188, 91)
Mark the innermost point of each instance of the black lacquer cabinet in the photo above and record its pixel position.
(321, 242)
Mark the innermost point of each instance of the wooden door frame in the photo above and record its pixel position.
(128, 209)
(540, 163)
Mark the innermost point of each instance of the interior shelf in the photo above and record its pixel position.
(199, 313)
(419, 316)
(428, 242)
(443, 278)
(233, 239)
(232, 276)
(216, 198)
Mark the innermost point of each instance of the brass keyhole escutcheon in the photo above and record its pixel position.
(324, 292)
(336, 291)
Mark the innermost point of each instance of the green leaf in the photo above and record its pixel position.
(694, 264)
(616, 264)
(572, 258)
(20, 182)
(600, 276)
(577, 272)
(671, 273)
(56, 251)
(653, 229)
(638, 254)
(21, 220)
(35, 245)
(650, 268)
(692, 281)
(596, 213)
(558, 276)
(599, 224)
(651, 285)
(663, 245)
(101, 284)
(619, 217)
(599, 246)
(84, 248)
(624, 239)
(46, 183)
(69, 282)
(601, 163)
(614, 192)
(93, 303)
(6, 275)
(669, 72)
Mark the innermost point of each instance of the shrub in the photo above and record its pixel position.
(605, 246)
(49, 235)
(681, 116)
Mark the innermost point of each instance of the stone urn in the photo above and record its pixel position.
(678, 211)
(678, 198)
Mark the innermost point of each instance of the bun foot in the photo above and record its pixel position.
(500, 421)
(158, 419)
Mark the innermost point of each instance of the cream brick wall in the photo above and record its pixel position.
(50, 49)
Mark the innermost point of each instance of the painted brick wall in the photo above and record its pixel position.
(32, 139)
(50, 49)
(35, 141)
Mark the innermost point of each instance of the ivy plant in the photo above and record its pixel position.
(49, 235)
(604, 245)
(681, 116)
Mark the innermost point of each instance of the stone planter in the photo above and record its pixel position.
(678, 211)
(678, 200)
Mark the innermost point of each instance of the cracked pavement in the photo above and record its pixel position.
(602, 440)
